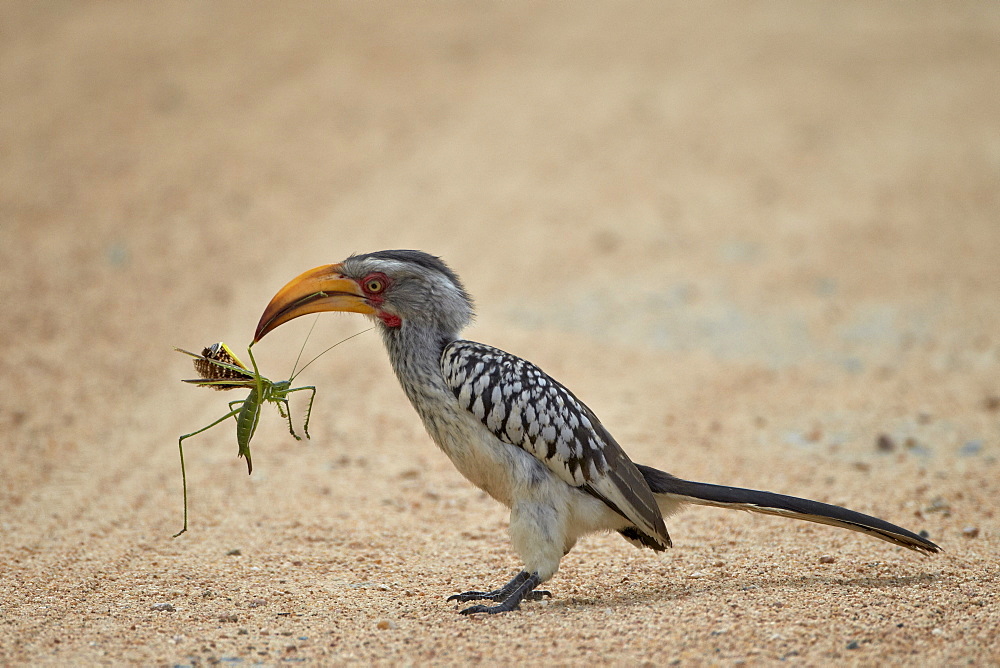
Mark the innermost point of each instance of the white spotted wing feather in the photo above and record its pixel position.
(524, 407)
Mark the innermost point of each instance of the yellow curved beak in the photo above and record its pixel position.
(321, 289)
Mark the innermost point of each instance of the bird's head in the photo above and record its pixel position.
(395, 288)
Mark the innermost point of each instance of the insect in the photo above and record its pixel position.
(220, 369)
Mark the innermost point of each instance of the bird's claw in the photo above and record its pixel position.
(508, 597)
(476, 596)
(489, 609)
(496, 595)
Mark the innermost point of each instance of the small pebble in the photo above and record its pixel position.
(938, 505)
(853, 645)
(229, 618)
(386, 624)
(162, 607)
(117, 255)
(827, 559)
(970, 448)
(234, 553)
(884, 443)
(970, 532)
(257, 603)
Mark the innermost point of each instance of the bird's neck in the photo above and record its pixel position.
(415, 354)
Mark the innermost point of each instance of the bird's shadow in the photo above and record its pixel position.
(806, 584)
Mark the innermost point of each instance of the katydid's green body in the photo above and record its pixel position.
(246, 425)
(224, 371)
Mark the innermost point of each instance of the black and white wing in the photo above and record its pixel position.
(523, 406)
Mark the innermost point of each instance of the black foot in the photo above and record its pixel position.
(495, 595)
(521, 588)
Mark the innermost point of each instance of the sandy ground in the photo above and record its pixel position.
(758, 240)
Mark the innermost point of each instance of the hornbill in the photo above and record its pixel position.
(515, 432)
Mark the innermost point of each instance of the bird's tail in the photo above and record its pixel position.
(672, 491)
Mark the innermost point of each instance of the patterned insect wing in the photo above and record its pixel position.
(208, 369)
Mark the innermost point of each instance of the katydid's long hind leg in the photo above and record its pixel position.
(180, 447)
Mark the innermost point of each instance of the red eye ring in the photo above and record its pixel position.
(373, 284)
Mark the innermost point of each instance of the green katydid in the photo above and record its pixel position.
(222, 370)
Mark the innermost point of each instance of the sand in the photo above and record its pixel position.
(759, 240)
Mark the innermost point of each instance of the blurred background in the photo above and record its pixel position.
(759, 239)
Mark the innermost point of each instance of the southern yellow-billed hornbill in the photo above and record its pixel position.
(515, 432)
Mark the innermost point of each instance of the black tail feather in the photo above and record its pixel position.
(785, 506)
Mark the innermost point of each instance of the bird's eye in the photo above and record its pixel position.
(374, 284)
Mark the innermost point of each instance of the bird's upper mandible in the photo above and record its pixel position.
(389, 286)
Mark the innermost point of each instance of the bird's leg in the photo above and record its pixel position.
(495, 595)
(509, 596)
(521, 587)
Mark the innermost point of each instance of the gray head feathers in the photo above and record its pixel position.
(423, 290)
